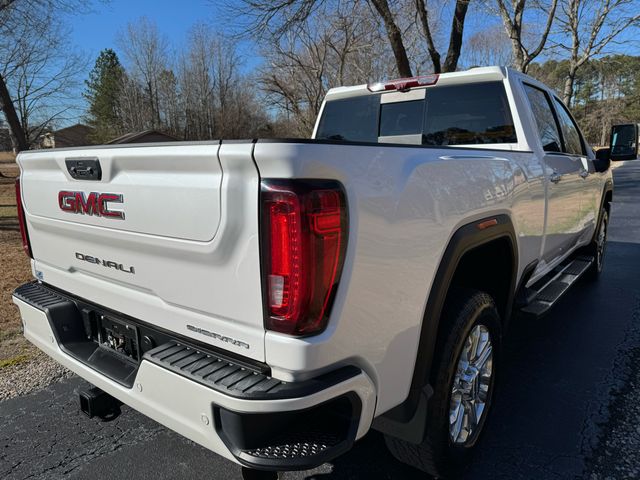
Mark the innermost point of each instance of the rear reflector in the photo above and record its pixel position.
(304, 238)
(402, 84)
(22, 221)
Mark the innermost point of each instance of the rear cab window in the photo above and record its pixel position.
(465, 114)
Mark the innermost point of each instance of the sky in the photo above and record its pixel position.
(99, 29)
(92, 32)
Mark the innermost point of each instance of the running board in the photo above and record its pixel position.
(546, 293)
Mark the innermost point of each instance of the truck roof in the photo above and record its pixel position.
(474, 74)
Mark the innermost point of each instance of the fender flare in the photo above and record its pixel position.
(408, 420)
(608, 188)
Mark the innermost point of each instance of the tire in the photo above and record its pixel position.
(439, 454)
(598, 246)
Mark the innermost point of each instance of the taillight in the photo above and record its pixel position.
(304, 239)
(402, 84)
(22, 221)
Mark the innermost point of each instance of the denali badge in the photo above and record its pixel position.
(93, 204)
(105, 263)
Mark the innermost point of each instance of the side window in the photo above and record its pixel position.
(545, 120)
(352, 119)
(474, 113)
(572, 141)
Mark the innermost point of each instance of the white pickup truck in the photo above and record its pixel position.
(274, 300)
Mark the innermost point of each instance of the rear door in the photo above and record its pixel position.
(168, 235)
(564, 221)
(575, 146)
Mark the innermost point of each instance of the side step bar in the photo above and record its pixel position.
(550, 289)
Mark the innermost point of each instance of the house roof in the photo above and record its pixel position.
(143, 136)
(74, 136)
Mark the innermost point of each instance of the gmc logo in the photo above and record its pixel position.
(93, 204)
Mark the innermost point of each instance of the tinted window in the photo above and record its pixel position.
(467, 114)
(402, 118)
(354, 119)
(572, 142)
(546, 122)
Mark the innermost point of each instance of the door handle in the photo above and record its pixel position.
(584, 173)
(555, 177)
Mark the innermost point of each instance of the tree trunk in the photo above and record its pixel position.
(567, 93)
(12, 118)
(395, 37)
(604, 133)
(424, 20)
(455, 41)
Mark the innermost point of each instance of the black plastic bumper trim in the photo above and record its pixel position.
(234, 380)
(291, 440)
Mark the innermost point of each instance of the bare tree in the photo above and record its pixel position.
(146, 51)
(218, 101)
(133, 109)
(455, 39)
(304, 64)
(488, 47)
(38, 67)
(513, 18)
(592, 26)
(197, 74)
(395, 37)
(273, 18)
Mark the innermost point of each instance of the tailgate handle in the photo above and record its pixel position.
(84, 168)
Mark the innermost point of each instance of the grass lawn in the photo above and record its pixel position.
(14, 270)
(7, 157)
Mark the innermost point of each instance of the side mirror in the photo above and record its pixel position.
(624, 142)
(602, 163)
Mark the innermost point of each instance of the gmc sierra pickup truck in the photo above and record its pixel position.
(274, 300)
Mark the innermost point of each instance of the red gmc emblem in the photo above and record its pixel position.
(92, 204)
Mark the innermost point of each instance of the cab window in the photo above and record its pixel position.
(545, 120)
(570, 133)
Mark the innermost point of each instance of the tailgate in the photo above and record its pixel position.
(168, 235)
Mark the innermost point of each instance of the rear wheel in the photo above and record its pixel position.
(598, 246)
(463, 388)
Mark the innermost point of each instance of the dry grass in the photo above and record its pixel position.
(7, 157)
(8, 171)
(14, 270)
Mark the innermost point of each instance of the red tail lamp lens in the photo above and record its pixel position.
(304, 239)
(22, 221)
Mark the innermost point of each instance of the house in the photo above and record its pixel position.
(74, 136)
(145, 136)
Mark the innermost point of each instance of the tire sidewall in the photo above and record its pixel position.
(604, 224)
(485, 314)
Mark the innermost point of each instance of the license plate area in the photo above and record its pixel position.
(119, 336)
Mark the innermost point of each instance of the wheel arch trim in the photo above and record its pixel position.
(407, 420)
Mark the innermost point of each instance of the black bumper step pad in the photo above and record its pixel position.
(297, 445)
(235, 380)
(39, 297)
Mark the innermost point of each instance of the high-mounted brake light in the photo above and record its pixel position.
(22, 221)
(402, 84)
(304, 239)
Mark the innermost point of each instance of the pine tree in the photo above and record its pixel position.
(103, 89)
